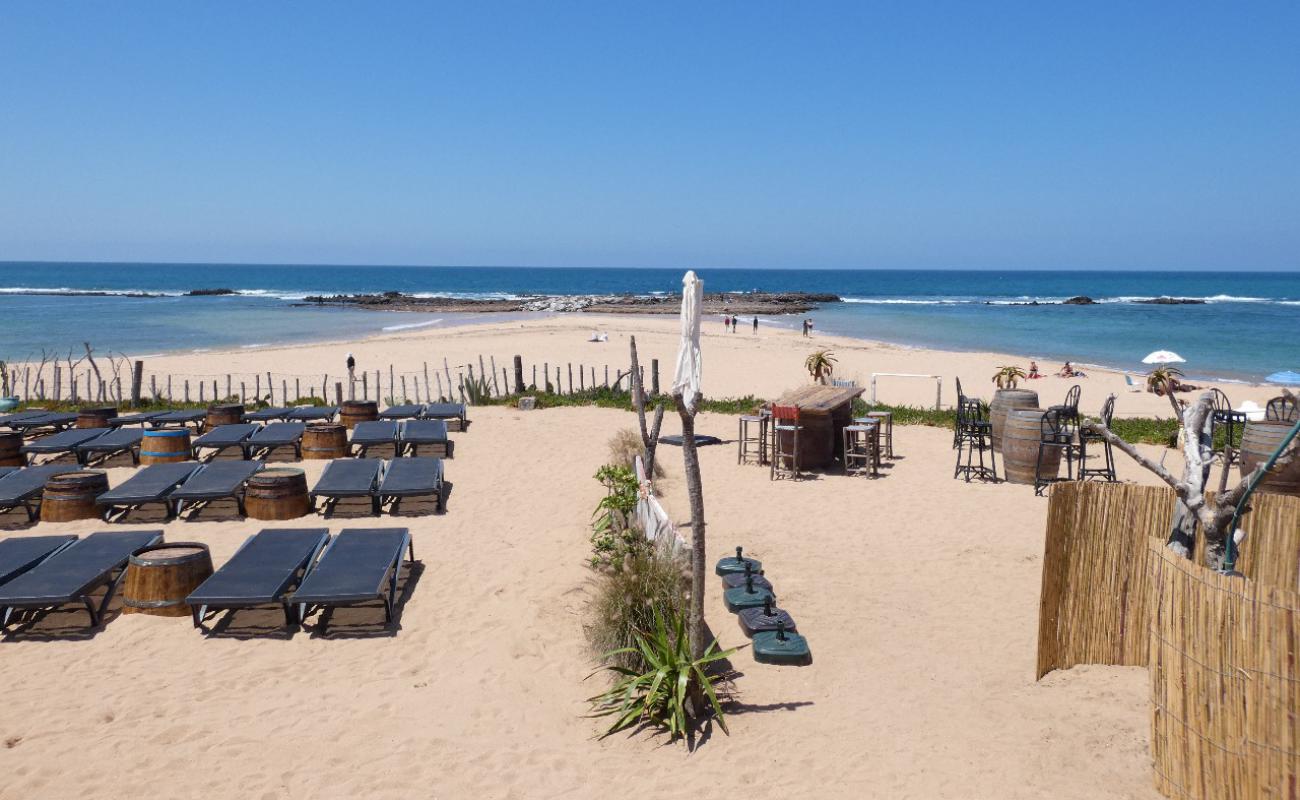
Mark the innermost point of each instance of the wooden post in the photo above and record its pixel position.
(446, 368)
(58, 385)
(654, 376)
(482, 369)
(338, 393)
(74, 386)
(153, 386)
(559, 385)
(534, 375)
(403, 389)
(202, 386)
(228, 388)
(570, 378)
(593, 377)
(187, 390)
(365, 390)
(257, 387)
(392, 386)
(243, 396)
(379, 388)
(297, 387)
(284, 391)
(519, 374)
(169, 387)
(606, 376)
(581, 382)
(438, 377)
(495, 389)
(546, 375)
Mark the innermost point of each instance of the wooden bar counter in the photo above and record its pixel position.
(824, 411)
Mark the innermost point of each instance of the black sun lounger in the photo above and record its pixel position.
(23, 487)
(62, 442)
(408, 411)
(224, 437)
(266, 414)
(411, 477)
(121, 440)
(348, 477)
(361, 565)
(55, 420)
(216, 481)
(263, 570)
(373, 433)
(431, 433)
(453, 412)
(72, 574)
(153, 484)
(312, 414)
(275, 435)
(7, 420)
(20, 553)
(134, 419)
(180, 418)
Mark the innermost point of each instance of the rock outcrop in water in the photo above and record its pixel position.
(716, 303)
(1081, 300)
(1171, 301)
(208, 292)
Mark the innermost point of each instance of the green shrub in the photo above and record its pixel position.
(612, 534)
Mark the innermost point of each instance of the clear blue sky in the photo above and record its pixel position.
(927, 135)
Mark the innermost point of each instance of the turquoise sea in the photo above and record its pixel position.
(1246, 328)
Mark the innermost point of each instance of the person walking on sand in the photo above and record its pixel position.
(755, 326)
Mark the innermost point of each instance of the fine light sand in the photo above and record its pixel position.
(919, 595)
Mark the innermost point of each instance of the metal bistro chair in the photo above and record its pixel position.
(1282, 409)
(785, 457)
(974, 435)
(862, 447)
(1059, 429)
(1233, 425)
(751, 443)
(956, 425)
(1088, 439)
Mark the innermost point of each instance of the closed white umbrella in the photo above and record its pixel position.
(1163, 357)
(686, 380)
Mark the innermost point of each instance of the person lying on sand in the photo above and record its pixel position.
(1068, 371)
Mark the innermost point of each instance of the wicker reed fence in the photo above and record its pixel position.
(1222, 652)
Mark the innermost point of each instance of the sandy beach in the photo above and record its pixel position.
(918, 594)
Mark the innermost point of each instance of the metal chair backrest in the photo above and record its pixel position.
(1282, 409)
(785, 413)
(1221, 401)
(1108, 411)
(960, 394)
(1072, 398)
(1057, 426)
(969, 411)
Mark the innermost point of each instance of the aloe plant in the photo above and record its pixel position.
(477, 390)
(820, 365)
(1008, 377)
(661, 694)
(1160, 377)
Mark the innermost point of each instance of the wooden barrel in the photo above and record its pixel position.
(161, 576)
(1020, 437)
(223, 414)
(72, 496)
(164, 446)
(95, 417)
(326, 440)
(355, 411)
(278, 493)
(1258, 442)
(11, 450)
(1003, 401)
(816, 441)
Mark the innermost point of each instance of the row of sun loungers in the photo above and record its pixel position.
(253, 440)
(298, 569)
(189, 484)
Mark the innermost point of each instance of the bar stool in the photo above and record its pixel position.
(751, 443)
(975, 437)
(886, 429)
(785, 456)
(862, 448)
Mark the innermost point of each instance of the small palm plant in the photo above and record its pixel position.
(1008, 377)
(820, 365)
(1160, 378)
(662, 694)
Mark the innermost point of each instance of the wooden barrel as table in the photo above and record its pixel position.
(165, 446)
(355, 411)
(1258, 442)
(1004, 400)
(161, 576)
(95, 417)
(1020, 437)
(11, 454)
(223, 414)
(326, 440)
(278, 493)
(71, 496)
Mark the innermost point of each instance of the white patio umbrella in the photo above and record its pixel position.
(686, 380)
(1163, 357)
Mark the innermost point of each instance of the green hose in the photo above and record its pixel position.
(1230, 551)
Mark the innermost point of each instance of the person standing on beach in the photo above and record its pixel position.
(755, 326)
(726, 321)
(805, 328)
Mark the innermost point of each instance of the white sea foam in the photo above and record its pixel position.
(888, 301)
(251, 346)
(70, 292)
(410, 325)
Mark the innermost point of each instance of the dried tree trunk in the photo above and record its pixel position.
(649, 437)
(695, 491)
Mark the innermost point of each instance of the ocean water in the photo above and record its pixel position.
(1246, 330)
